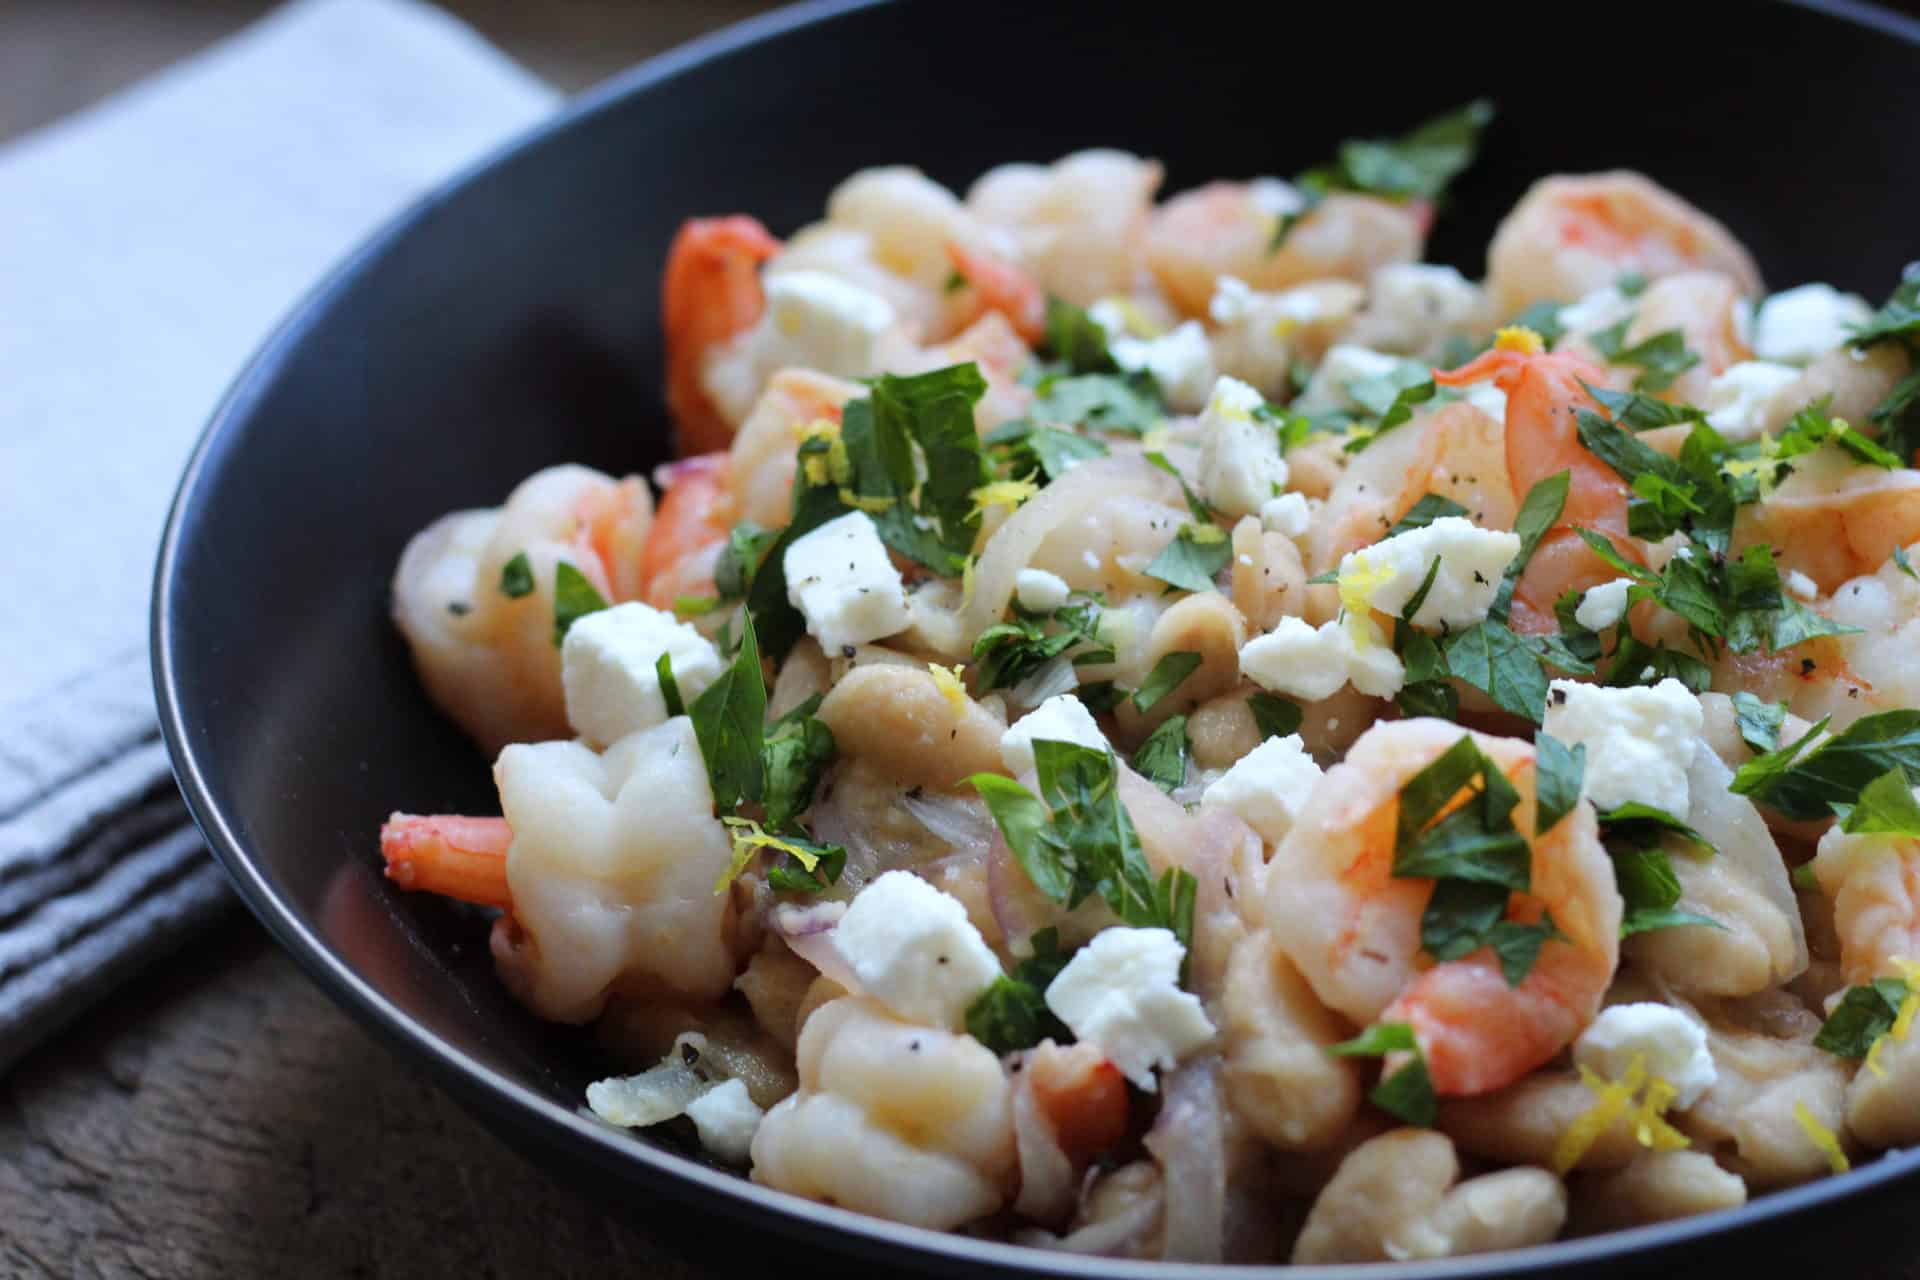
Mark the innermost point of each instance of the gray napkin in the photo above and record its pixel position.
(146, 246)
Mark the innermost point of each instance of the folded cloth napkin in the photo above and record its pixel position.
(146, 246)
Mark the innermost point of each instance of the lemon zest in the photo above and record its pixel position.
(1206, 534)
(1650, 1127)
(1284, 328)
(1873, 1058)
(1156, 438)
(1612, 1098)
(1517, 337)
(749, 838)
(1135, 322)
(1229, 409)
(950, 682)
(1822, 1137)
(858, 503)
(966, 580)
(1357, 586)
(1002, 493)
(1903, 1021)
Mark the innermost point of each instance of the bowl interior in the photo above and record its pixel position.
(511, 321)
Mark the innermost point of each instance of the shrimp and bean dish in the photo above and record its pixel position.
(1168, 727)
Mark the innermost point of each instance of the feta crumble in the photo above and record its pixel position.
(609, 670)
(1472, 561)
(1121, 993)
(1415, 305)
(1639, 740)
(1603, 606)
(1240, 462)
(1673, 1044)
(1795, 326)
(1180, 362)
(1267, 787)
(1061, 718)
(1344, 365)
(1598, 310)
(1289, 514)
(1748, 398)
(726, 1118)
(818, 321)
(914, 950)
(841, 580)
(1311, 663)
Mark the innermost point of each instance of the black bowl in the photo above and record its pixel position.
(510, 321)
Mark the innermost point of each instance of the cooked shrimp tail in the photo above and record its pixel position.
(453, 856)
(711, 291)
(1000, 286)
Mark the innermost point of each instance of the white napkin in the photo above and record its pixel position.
(146, 247)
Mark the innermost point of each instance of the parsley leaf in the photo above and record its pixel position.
(1167, 675)
(1190, 561)
(1650, 890)
(669, 687)
(1898, 416)
(1541, 317)
(740, 559)
(1391, 399)
(573, 599)
(1661, 358)
(1759, 722)
(1637, 412)
(1024, 449)
(1886, 807)
(1273, 715)
(1080, 841)
(1539, 512)
(1431, 507)
(1492, 658)
(789, 876)
(729, 718)
(1812, 427)
(779, 622)
(1162, 758)
(1558, 775)
(1008, 652)
(1838, 770)
(1416, 167)
(1864, 1014)
(1901, 563)
(1474, 841)
(796, 752)
(1012, 1013)
(516, 577)
(1077, 339)
(1899, 317)
(935, 412)
(1099, 402)
(1408, 1092)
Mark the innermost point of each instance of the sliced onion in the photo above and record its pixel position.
(808, 932)
(1054, 677)
(964, 824)
(657, 1094)
(1047, 1181)
(1735, 828)
(1013, 546)
(1121, 1236)
(1189, 1141)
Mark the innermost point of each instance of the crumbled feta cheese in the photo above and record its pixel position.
(1181, 363)
(1673, 1045)
(1232, 300)
(1040, 591)
(1603, 606)
(1062, 718)
(1122, 318)
(1121, 993)
(1749, 397)
(1288, 514)
(1274, 197)
(1795, 326)
(609, 669)
(1299, 660)
(1598, 310)
(821, 322)
(726, 1118)
(840, 578)
(1639, 740)
(1267, 787)
(1801, 585)
(1343, 366)
(1375, 669)
(1487, 398)
(914, 950)
(1472, 561)
(1415, 305)
(1240, 462)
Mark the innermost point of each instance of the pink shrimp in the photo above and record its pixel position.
(454, 856)
(613, 527)
(1874, 882)
(1353, 928)
(694, 517)
(999, 285)
(711, 291)
(1544, 393)
(1083, 1096)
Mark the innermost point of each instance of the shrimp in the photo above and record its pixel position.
(696, 513)
(1572, 235)
(1353, 929)
(1704, 307)
(487, 658)
(1083, 1097)
(998, 285)
(761, 460)
(1833, 519)
(1078, 224)
(1544, 393)
(1874, 884)
(455, 857)
(1227, 229)
(710, 292)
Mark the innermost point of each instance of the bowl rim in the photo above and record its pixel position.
(503, 1100)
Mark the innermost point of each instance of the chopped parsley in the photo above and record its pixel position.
(1408, 1092)
(1864, 1014)
(740, 559)
(516, 577)
(1012, 1014)
(1431, 507)
(1633, 836)
(1804, 783)
(1190, 562)
(1076, 339)
(1008, 652)
(1419, 166)
(1079, 841)
(1812, 427)
(1022, 449)
(573, 599)
(1123, 405)
(1558, 774)
(797, 749)
(1539, 512)
(1162, 758)
(1660, 359)
(1759, 721)
(1899, 317)
(1167, 675)
(1886, 807)
(669, 687)
(729, 719)
(1273, 715)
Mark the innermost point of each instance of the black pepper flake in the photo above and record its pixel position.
(1808, 666)
(1477, 578)
(460, 608)
(1559, 697)
(847, 651)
